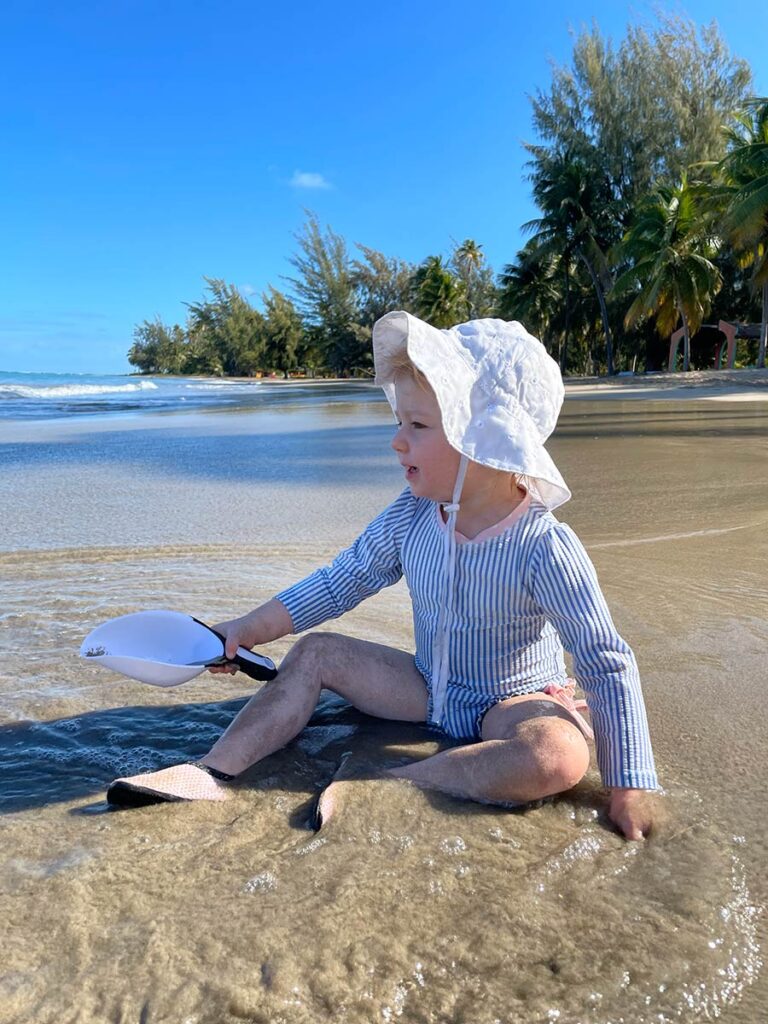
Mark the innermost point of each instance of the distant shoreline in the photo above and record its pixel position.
(714, 385)
(248, 380)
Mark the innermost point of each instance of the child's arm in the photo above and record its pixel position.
(370, 564)
(268, 622)
(565, 585)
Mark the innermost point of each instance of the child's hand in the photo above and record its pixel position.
(633, 812)
(236, 633)
(268, 622)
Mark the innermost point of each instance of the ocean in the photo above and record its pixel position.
(56, 395)
(409, 906)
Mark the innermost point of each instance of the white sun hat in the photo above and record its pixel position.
(498, 389)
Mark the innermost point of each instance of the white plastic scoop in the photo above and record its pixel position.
(166, 648)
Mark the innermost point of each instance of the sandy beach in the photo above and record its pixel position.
(409, 906)
(748, 385)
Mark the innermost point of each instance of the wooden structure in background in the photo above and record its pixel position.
(731, 332)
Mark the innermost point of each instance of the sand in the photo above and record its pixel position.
(710, 385)
(410, 907)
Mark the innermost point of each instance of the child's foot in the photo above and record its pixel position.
(330, 799)
(179, 782)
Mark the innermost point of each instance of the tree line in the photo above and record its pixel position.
(650, 175)
(325, 325)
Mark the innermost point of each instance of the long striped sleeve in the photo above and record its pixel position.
(371, 563)
(564, 584)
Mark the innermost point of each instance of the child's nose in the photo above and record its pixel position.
(397, 441)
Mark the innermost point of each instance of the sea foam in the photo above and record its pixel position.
(73, 390)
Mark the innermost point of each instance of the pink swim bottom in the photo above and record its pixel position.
(565, 696)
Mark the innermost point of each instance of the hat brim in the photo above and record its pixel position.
(427, 348)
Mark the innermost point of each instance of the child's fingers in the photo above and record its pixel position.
(632, 832)
(228, 670)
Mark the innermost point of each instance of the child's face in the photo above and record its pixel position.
(430, 464)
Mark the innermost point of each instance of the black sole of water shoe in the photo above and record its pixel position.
(121, 794)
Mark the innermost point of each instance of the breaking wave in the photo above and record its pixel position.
(57, 391)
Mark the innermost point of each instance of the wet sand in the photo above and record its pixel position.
(409, 906)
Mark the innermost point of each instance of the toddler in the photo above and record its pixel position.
(498, 587)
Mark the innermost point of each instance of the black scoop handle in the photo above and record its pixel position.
(257, 666)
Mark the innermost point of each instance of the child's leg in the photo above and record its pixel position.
(378, 680)
(530, 748)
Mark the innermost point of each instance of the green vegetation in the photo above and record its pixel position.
(650, 174)
(743, 199)
(670, 248)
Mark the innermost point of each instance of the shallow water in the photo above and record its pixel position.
(408, 906)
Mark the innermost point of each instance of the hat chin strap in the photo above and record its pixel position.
(441, 642)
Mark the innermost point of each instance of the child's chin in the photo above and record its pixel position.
(422, 492)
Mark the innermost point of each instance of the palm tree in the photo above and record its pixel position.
(439, 296)
(468, 260)
(574, 199)
(744, 175)
(530, 289)
(670, 248)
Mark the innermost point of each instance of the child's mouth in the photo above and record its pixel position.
(410, 471)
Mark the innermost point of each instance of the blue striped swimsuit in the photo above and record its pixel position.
(519, 598)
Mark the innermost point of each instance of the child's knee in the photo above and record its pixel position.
(315, 654)
(564, 758)
(558, 754)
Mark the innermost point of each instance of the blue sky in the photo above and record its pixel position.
(146, 143)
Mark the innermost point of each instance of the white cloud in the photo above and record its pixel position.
(309, 179)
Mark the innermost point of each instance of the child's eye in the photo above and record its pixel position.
(417, 425)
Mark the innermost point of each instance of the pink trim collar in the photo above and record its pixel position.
(489, 531)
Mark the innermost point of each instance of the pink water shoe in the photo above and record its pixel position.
(179, 782)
